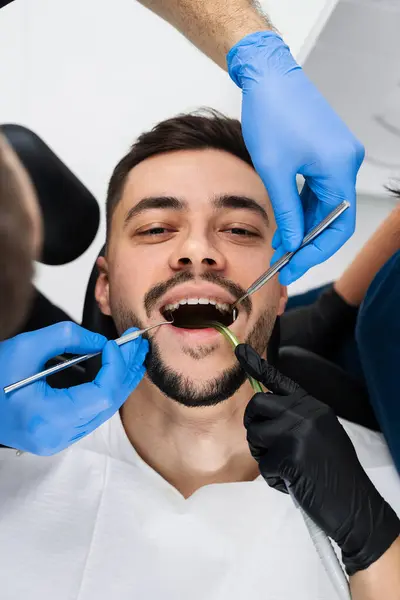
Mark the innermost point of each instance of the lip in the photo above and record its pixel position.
(181, 292)
(194, 336)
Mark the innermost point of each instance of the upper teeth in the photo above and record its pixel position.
(218, 305)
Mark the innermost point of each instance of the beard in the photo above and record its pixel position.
(179, 387)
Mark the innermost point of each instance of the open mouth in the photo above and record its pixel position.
(196, 313)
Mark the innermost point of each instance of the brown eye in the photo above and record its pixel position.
(154, 231)
(240, 231)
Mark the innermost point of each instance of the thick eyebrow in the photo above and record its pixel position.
(166, 202)
(237, 202)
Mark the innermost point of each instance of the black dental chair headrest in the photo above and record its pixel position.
(70, 212)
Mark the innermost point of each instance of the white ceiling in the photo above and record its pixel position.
(355, 63)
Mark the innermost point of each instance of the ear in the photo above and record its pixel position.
(102, 289)
(282, 300)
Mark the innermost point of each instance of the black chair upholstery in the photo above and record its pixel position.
(330, 384)
(71, 214)
(71, 218)
(92, 318)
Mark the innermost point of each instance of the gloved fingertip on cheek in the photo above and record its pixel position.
(249, 360)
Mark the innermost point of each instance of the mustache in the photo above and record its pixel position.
(155, 293)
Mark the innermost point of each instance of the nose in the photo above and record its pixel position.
(197, 253)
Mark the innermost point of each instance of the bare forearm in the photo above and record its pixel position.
(381, 581)
(355, 281)
(214, 26)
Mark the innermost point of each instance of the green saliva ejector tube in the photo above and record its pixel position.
(231, 337)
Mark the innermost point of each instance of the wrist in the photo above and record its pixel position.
(259, 50)
(381, 579)
(382, 531)
(244, 22)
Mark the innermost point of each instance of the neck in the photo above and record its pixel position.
(190, 447)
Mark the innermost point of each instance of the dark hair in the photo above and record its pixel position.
(16, 266)
(202, 129)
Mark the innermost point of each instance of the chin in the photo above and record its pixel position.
(198, 376)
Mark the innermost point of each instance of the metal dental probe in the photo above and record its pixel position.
(74, 361)
(282, 262)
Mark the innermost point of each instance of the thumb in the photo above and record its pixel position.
(256, 367)
(113, 370)
(116, 377)
(134, 352)
(108, 391)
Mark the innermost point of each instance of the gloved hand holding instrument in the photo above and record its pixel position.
(39, 419)
(302, 448)
(289, 129)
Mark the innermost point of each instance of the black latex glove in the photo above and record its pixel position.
(296, 438)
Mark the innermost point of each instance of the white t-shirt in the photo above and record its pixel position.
(95, 522)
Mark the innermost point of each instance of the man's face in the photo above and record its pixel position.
(192, 227)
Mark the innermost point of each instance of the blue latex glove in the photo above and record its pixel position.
(43, 420)
(289, 128)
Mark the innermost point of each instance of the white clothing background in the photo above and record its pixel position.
(96, 523)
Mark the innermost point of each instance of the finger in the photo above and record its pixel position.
(113, 370)
(309, 203)
(135, 377)
(279, 468)
(43, 344)
(256, 367)
(287, 275)
(311, 206)
(288, 210)
(321, 248)
(134, 352)
(95, 419)
(276, 240)
(80, 403)
(112, 386)
(115, 378)
(277, 255)
(279, 252)
(263, 408)
(263, 435)
(317, 252)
